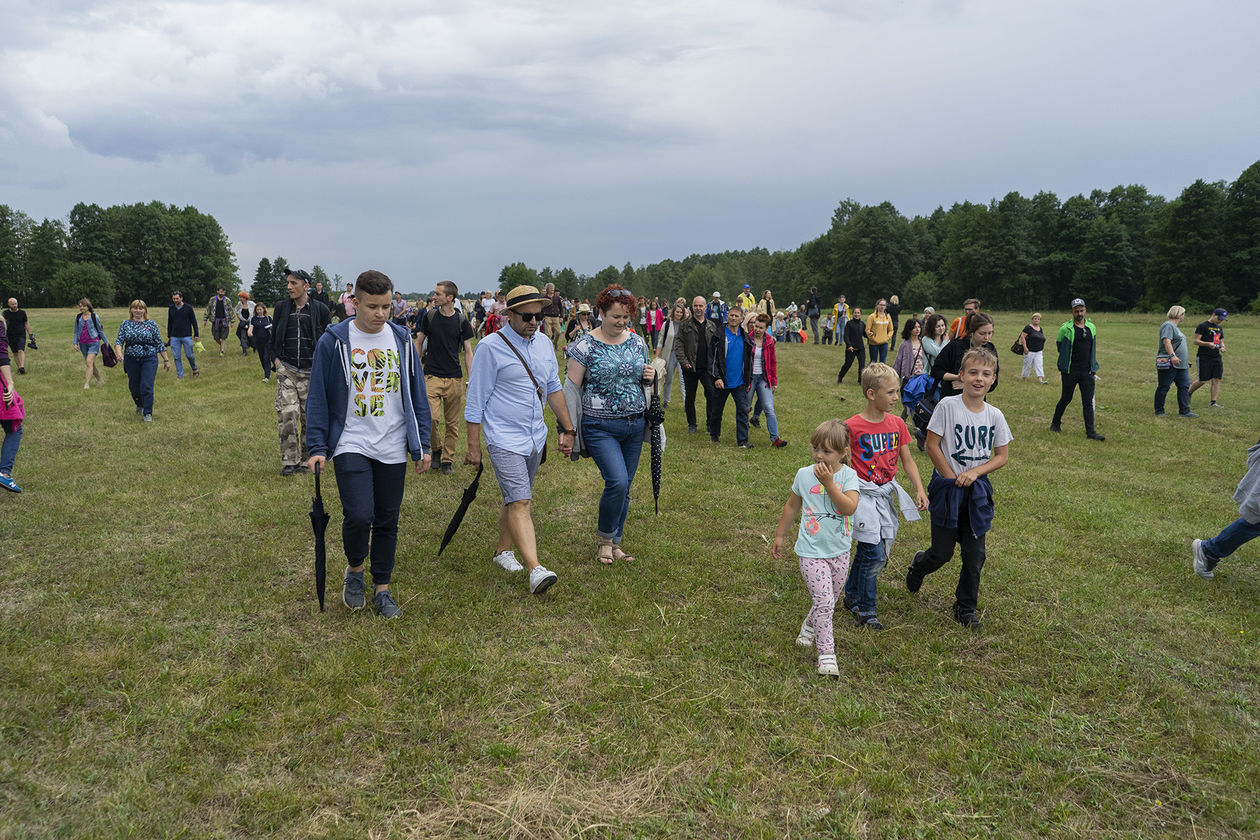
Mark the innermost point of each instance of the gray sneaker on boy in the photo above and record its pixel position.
(385, 604)
(352, 590)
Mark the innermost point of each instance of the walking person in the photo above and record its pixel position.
(609, 369)
(1172, 364)
(670, 350)
(879, 331)
(514, 375)
(182, 332)
(298, 323)
(695, 365)
(1078, 361)
(1033, 342)
(1207, 553)
(813, 308)
(1209, 338)
(259, 334)
(244, 312)
(947, 370)
(730, 365)
(765, 379)
(139, 345)
(910, 359)
(219, 316)
(448, 332)
(854, 344)
(553, 315)
(368, 412)
(88, 335)
(935, 337)
(655, 323)
(894, 312)
(17, 327)
(12, 427)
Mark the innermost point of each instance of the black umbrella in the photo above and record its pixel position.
(319, 523)
(469, 494)
(656, 418)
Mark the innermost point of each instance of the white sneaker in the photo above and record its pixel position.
(507, 559)
(540, 580)
(827, 666)
(1200, 561)
(806, 637)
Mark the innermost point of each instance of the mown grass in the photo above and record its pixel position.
(165, 671)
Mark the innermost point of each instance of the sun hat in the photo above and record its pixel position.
(522, 295)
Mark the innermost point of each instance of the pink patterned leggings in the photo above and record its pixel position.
(824, 577)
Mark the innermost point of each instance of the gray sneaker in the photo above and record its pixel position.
(385, 605)
(352, 590)
(507, 560)
(1202, 566)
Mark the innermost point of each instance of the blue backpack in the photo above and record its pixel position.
(914, 389)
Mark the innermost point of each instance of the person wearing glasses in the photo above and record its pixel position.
(514, 377)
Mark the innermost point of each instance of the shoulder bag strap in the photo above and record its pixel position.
(537, 388)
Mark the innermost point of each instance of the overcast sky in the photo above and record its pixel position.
(443, 140)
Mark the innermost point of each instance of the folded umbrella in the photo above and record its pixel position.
(319, 523)
(470, 493)
(656, 418)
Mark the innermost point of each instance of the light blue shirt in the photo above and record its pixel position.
(501, 396)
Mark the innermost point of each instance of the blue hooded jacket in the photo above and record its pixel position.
(330, 387)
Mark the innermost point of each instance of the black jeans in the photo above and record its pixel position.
(263, 346)
(851, 353)
(371, 496)
(696, 381)
(813, 323)
(971, 548)
(740, 394)
(1085, 381)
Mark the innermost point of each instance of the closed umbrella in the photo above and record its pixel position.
(470, 493)
(655, 417)
(319, 523)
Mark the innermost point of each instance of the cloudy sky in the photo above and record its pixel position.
(442, 140)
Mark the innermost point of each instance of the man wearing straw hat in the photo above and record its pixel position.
(513, 374)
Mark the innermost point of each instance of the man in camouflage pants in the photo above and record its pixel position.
(298, 322)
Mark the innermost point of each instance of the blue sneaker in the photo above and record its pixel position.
(352, 590)
(385, 605)
(9, 484)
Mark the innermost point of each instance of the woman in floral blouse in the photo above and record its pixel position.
(139, 344)
(610, 366)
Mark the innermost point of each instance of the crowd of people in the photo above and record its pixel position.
(374, 380)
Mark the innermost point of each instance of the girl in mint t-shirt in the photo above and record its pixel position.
(826, 495)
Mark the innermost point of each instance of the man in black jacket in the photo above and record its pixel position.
(730, 364)
(694, 358)
(298, 322)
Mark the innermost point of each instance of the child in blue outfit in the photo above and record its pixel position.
(367, 409)
(826, 495)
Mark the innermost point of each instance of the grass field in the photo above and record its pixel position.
(164, 671)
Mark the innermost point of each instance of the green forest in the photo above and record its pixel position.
(1123, 248)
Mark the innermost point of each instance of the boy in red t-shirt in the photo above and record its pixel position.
(878, 439)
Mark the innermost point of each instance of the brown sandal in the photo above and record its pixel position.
(606, 558)
(620, 555)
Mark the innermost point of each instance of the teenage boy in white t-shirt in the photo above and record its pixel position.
(967, 439)
(367, 410)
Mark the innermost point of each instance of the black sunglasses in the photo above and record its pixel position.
(530, 316)
(621, 293)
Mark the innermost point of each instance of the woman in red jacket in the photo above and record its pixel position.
(765, 378)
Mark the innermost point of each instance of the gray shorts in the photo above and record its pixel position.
(514, 472)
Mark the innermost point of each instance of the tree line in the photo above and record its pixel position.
(1122, 249)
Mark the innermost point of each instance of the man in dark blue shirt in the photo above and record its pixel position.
(730, 361)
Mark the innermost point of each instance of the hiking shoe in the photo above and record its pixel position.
(22, 370)
(540, 580)
(756, 424)
(1094, 436)
(385, 605)
(352, 590)
(507, 559)
(448, 468)
(827, 666)
(867, 622)
(148, 418)
(1055, 427)
(9, 484)
(806, 637)
(288, 469)
(968, 619)
(778, 443)
(691, 430)
(745, 446)
(1202, 565)
(1165, 414)
(1188, 414)
(914, 580)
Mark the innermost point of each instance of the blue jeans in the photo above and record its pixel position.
(371, 496)
(765, 402)
(184, 344)
(859, 587)
(140, 376)
(740, 394)
(9, 449)
(614, 444)
(1166, 378)
(1216, 549)
(879, 352)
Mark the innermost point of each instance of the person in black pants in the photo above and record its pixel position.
(1078, 360)
(854, 344)
(694, 358)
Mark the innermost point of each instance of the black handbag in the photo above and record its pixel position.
(1017, 348)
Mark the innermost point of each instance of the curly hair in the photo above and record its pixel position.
(615, 293)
